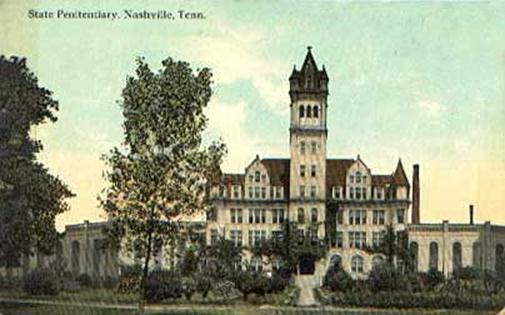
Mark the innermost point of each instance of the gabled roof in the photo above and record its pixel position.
(399, 177)
(381, 180)
(278, 172)
(234, 179)
(336, 171)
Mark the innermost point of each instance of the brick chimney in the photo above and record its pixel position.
(416, 201)
(471, 214)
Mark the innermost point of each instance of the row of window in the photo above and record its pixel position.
(308, 111)
(359, 217)
(357, 262)
(312, 191)
(357, 178)
(357, 193)
(358, 239)
(313, 147)
(258, 215)
(258, 192)
(312, 170)
(256, 236)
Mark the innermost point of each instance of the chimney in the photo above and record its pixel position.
(415, 195)
(471, 214)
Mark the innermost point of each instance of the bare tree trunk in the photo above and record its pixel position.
(145, 274)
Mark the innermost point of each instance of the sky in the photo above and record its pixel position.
(420, 80)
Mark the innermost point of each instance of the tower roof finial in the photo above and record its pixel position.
(309, 48)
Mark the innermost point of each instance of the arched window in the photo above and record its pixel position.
(301, 215)
(500, 260)
(313, 215)
(301, 111)
(336, 262)
(308, 111)
(97, 247)
(315, 113)
(434, 255)
(476, 255)
(456, 256)
(76, 252)
(377, 260)
(414, 251)
(357, 264)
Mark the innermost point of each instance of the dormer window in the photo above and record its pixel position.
(257, 176)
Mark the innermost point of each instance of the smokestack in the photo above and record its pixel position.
(471, 214)
(416, 201)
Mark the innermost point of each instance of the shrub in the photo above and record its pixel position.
(385, 277)
(432, 278)
(203, 283)
(129, 279)
(467, 273)
(41, 282)
(84, 280)
(188, 287)
(337, 279)
(163, 284)
(277, 283)
(110, 282)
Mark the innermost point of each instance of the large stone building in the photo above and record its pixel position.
(339, 200)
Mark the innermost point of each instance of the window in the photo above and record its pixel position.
(257, 236)
(499, 259)
(364, 179)
(433, 256)
(377, 260)
(313, 191)
(251, 178)
(313, 171)
(302, 147)
(378, 217)
(276, 264)
(357, 217)
(340, 217)
(76, 254)
(363, 192)
(313, 146)
(340, 239)
(357, 192)
(278, 192)
(256, 192)
(263, 216)
(456, 256)
(400, 215)
(256, 264)
(257, 176)
(257, 216)
(236, 191)
(315, 112)
(308, 112)
(477, 255)
(357, 239)
(302, 170)
(263, 178)
(213, 236)
(236, 237)
(302, 191)
(357, 264)
(337, 192)
(313, 215)
(377, 238)
(278, 215)
(301, 215)
(277, 235)
(263, 192)
(378, 193)
(351, 193)
(414, 251)
(351, 179)
(236, 215)
(250, 192)
(358, 177)
(301, 111)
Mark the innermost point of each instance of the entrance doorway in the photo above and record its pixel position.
(306, 265)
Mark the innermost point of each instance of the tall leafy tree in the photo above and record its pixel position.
(30, 197)
(163, 171)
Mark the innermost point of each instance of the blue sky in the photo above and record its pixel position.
(418, 80)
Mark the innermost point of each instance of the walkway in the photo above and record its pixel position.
(306, 283)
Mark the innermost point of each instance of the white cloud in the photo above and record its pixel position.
(237, 55)
(431, 108)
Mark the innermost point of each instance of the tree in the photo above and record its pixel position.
(30, 197)
(395, 245)
(163, 171)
